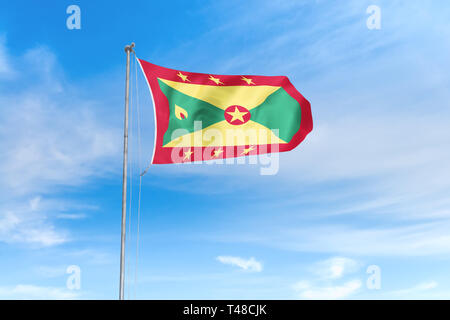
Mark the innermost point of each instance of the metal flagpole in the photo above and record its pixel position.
(128, 50)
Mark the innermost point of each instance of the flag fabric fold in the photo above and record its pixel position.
(200, 117)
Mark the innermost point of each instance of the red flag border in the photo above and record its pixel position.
(163, 155)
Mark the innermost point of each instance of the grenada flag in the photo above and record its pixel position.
(201, 117)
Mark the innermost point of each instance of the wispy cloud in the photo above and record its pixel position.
(6, 70)
(91, 255)
(51, 271)
(51, 138)
(424, 290)
(324, 275)
(26, 225)
(424, 239)
(418, 289)
(335, 268)
(25, 291)
(71, 216)
(305, 290)
(250, 265)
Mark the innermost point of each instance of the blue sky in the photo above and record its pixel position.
(369, 186)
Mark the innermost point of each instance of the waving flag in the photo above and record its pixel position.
(208, 117)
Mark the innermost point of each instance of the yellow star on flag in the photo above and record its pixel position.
(249, 81)
(237, 115)
(217, 153)
(183, 77)
(216, 80)
(247, 150)
(187, 155)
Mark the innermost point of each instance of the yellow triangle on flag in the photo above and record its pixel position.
(225, 134)
(225, 96)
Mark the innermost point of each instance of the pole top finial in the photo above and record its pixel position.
(129, 48)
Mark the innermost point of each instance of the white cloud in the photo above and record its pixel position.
(51, 271)
(8, 221)
(51, 138)
(71, 216)
(326, 272)
(31, 222)
(426, 290)
(49, 146)
(246, 264)
(335, 268)
(421, 239)
(426, 285)
(305, 290)
(26, 227)
(5, 64)
(34, 203)
(92, 256)
(410, 293)
(411, 240)
(23, 291)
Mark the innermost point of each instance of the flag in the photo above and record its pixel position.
(200, 117)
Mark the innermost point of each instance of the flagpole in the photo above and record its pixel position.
(128, 50)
